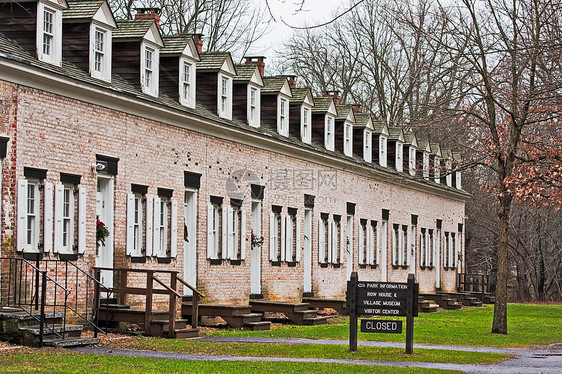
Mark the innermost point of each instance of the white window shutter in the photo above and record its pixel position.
(378, 234)
(400, 246)
(321, 242)
(272, 237)
(22, 213)
(409, 246)
(362, 246)
(289, 238)
(371, 244)
(130, 223)
(174, 229)
(242, 234)
(457, 249)
(330, 240)
(82, 198)
(393, 246)
(211, 253)
(231, 248)
(156, 227)
(298, 240)
(48, 217)
(343, 243)
(283, 236)
(59, 197)
(224, 231)
(149, 224)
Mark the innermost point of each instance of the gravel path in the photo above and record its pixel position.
(547, 360)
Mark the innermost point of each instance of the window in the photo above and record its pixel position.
(161, 227)
(99, 50)
(100, 53)
(165, 227)
(426, 165)
(347, 148)
(412, 161)
(253, 117)
(306, 125)
(336, 243)
(367, 145)
(149, 69)
(213, 231)
(137, 204)
(426, 248)
(283, 120)
(49, 34)
(436, 170)
(430, 250)
(236, 227)
(423, 249)
(329, 133)
(292, 237)
(323, 228)
(275, 230)
(449, 175)
(68, 219)
(382, 151)
(458, 180)
(32, 216)
(187, 87)
(399, 160)
(224, 97)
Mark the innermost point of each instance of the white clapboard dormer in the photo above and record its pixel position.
(363, 136)
(324, 115)
(435, 162)
(410, 152)
(215, 74)
(395, 148)
(275, 96)
(344, 129)
(300, 122)
(247, 85)
(380, 138)
(178, 61)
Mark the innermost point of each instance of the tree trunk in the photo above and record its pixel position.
(499, 325)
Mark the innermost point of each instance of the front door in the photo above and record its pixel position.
(104, 212)
(307, 251)
(256, 245)
(190, 240)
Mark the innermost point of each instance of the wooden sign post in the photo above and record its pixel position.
(382, 299)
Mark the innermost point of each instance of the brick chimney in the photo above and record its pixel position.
(198, 39)
(148, 13)
(256, 60)
(292, 79)
(333, 94)
(356, 108)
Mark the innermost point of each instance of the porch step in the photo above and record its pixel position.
(70, 330)
(258, 325)
(71, 343)
(129, 315)
(443, 300)
(160, 327)
(186, 333)
(236, 316)
(337, 304)
(298, 313)
(426, 306)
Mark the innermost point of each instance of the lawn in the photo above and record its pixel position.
(60, 361)
(306, 351)
(528, 325)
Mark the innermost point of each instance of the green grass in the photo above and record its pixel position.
(528, 325)
(51, 361)
(310, 351)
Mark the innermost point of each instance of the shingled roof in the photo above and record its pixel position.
(361, 120)
(343, 111)
(212, 61)
(322, 104)
(245, 72)
(175, 45)
(132, 29)
(82, 9)
(394, 133)
(273, 84)
(299, 94)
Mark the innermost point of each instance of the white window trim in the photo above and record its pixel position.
(382, 151)
(306, 124)
(22, 227)
(283, 116)
(436, 170)
(458, 179)
(190, 100)
(275, 253)
(255, 121)
(329, 138)
(449, 177)
(412, 161)
(367, 145)
(69, 247)
(227, 112)
(135, 246)
(322, 225)
(152, 89)
(425, 165)
(55, 57)
(399, 156)
(213, 230)
(105, 73)
(348, 139)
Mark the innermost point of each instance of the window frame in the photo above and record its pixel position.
(367, 145)
(348, 139)
(224, 96)
(383, 151)
(152, 87)
(254, 102)
(283, 116)
(55, 54)
(329, 129)
(68, 219)
(306, 124)
(32, 231)
(187, 84)
(105, 72)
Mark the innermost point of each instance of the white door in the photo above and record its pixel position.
(190, 240)
(255, 269)
(307, 250)
(349, 247)
(104, 212)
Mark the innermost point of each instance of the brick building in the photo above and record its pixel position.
(248, 185)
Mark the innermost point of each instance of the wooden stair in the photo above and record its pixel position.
(427, 306)
(319, 303)
(466, 299)
(443, 300)
(236, 316)
(112, 313)
(298, 313)
(19, 327)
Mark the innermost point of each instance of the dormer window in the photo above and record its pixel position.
(253, 106)
(436, 170)
(306, 132)
(49, 34)
(449, 176)
(399, 162)
(412, 161)
(367, 145)
(329, 133)
(426, 165)
(100, 53)
(283, 120)
(225, 97)
(382, 151)
(347, 147)
(187, 87)
(149, 69)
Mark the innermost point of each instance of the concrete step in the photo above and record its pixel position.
(71, 343)
(240, 320)
(259, 325)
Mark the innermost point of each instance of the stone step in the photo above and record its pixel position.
(71, 343)
(258, 325)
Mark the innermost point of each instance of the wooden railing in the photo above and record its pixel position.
(169, 289)
(472, 282)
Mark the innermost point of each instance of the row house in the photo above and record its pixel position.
(247, 184)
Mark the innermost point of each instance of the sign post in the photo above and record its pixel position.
(382, 299)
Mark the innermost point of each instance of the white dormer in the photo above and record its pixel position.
(458, 181)
(187, 74)
(150, 61)
(306, 118)
(368, 144)
(224, 89)
(348, 133)
(449, 176)
(283, 109)
(382, 150)
(436, 169)
(49, 31)
(254, 99)
(412, 150)
(100, 43)
(399, 156)
(425, 162)
(330, 127)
